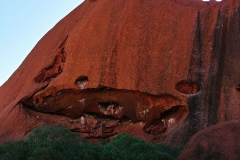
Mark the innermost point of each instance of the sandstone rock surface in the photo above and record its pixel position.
(221, 141)
(145, 63)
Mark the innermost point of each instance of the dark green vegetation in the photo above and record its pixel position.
(59, 143)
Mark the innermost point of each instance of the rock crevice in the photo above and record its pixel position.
(55, 68)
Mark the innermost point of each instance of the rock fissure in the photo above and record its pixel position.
(55, 68)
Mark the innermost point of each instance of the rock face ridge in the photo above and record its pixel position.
(145, 49)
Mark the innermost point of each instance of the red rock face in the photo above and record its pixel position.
(217, 142)
(130, 66)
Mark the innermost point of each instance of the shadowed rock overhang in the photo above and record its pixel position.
(98, 111)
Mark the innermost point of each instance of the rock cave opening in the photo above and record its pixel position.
(110, 109)
(106, 111)
(168, 119)
(171, 116)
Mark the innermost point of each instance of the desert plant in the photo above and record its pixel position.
(58, 142)
(124, 146)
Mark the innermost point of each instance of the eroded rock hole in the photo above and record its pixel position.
(110, 109)
(168, 119)
(93, 111)
(103, 104)
(81, 82)
(172, 116)
(238, 87)
(187, 87)
(173, 109)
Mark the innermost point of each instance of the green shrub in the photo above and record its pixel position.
(14, 150)
(126, 147)
(57, 139)
(58, 142)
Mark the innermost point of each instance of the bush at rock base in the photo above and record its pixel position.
(58, 142)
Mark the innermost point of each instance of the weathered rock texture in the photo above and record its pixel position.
(220, 141)
(162, 59)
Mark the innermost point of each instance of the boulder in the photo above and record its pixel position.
(220, 141)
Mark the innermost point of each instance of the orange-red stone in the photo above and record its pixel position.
(145, 46)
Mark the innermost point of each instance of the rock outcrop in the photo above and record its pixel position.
(130, 66)
(220, 141)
